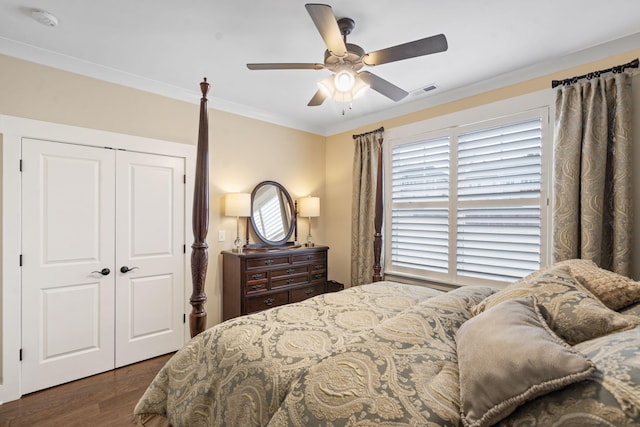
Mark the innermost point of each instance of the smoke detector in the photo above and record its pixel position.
(44, 17)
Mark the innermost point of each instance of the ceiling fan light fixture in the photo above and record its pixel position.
(344, 81)
(359, 88)
(327, 86)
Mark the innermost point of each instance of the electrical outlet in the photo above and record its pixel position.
(221, 235)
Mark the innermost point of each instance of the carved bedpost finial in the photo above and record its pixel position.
(204, 87)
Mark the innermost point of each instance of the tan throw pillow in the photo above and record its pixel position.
(584, 263)
(570, 310)
(508, 355)
(614, 290)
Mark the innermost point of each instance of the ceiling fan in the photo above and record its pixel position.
(346, 60)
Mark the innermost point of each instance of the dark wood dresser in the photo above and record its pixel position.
(261, 279)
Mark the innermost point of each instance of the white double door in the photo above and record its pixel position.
(102, 260)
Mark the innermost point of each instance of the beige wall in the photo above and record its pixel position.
(340, 156)
(243, 151)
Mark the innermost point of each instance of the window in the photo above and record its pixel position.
(467, 202)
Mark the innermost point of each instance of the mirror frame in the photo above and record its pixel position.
(292, 211)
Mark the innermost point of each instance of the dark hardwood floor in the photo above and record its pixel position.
(105, 399)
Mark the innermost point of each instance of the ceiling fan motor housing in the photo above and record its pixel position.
(353, 57)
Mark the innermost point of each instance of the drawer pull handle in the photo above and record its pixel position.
(309, 257)
(269, 262)
(318, 276)
(290, 271)
(256, 287)
(268, 301)
(256, 276)
(318, 267)
(308, 292)
(289, 281)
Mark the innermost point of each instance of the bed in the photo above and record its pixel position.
(558, 347)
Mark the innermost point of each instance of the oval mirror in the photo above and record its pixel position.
(272, 213)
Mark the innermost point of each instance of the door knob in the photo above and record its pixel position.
(125, 269)
(104, 271)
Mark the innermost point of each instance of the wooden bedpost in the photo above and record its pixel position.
(377, 241)
(200, 221)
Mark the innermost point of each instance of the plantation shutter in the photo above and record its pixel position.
(498, 189)
(420, 193)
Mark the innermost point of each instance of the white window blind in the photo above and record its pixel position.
(498, 243)
(500, 163)
(420, 171)
(420, 239)
(469, 205)
(498, 216)
(420, 229)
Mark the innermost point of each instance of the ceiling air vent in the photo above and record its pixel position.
(423, 90)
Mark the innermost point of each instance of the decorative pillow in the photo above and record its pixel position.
(610, 397)
(570, 310)
(507, 356)
(583, 263)
(632, 310)
(614, 290)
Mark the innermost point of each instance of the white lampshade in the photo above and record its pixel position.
(237, 204)
(309, 206)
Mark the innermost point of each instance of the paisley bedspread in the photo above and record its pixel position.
(382, 354)
(393, 342)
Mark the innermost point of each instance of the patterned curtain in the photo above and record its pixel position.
(365, 170)
(592, 172)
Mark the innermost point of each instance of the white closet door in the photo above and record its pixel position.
(150, 229)
(68, 212)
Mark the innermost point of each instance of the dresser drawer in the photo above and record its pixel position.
(301, 294)
(290, 280)
(282, 273)
(257, 286)
(257, 276)
(267, 262)
(263, 302)
(315, 256)
(317, 266)
(318, 276)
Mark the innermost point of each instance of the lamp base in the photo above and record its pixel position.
(237, 248)
(309, 243)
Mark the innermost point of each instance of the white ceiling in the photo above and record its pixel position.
(168, 46)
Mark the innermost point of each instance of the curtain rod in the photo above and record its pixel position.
(380, 129)
(617, 70)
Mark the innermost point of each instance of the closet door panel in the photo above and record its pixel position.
(150, 257)
(67, 236)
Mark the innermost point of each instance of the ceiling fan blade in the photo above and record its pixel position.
(381, 85)
(326, 23)
(318, 98)
(285, 66)
(412, 49)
